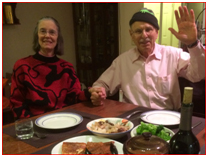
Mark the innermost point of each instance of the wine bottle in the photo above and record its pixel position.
(184, 141)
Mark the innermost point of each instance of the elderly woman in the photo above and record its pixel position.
(43, 82)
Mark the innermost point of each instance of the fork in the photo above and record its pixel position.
(138, 111)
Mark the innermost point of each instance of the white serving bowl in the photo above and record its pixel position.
(110, 135)
(134, 133)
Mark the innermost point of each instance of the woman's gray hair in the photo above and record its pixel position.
(59, 49)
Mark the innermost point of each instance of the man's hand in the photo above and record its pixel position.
(98, 94)
(187, 31)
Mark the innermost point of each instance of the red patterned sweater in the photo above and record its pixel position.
(41, 84)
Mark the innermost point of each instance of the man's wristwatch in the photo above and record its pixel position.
(193, 45)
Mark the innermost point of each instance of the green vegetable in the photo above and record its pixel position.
(157, 130)
(164, 135)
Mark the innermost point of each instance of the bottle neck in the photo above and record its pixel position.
(186, 117)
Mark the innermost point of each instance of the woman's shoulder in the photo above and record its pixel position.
(24, 60)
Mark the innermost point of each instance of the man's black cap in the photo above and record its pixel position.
(145, 15)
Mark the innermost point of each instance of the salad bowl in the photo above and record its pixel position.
(110, 127)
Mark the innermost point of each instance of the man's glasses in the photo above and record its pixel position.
(138, 32)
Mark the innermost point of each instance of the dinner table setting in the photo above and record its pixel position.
(73, 124)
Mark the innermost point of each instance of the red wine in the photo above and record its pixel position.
(184, 141)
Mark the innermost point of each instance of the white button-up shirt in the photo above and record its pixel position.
(153, 82)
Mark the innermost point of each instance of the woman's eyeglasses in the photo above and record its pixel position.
(50, 32)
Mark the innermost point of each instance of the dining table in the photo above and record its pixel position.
(111, 108)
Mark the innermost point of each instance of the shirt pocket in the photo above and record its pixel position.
(164, 85)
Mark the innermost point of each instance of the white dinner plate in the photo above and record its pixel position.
(162, 117)
(60, 120)
(87, 138)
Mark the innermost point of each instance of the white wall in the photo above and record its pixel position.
(126, 11)
(17, 39)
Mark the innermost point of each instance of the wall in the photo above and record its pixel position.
(126, 11)
(17, 39)
(198, 7)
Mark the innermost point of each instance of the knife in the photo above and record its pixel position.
(135, 112)
(87, 117)
(138, 117)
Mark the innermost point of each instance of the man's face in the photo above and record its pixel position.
(144, 36)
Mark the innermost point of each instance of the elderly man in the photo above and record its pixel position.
(148, 74)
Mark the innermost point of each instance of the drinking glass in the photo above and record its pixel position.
(24, 128)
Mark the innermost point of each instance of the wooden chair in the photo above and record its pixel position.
(7, 113)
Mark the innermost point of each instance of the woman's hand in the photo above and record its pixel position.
(98, 94)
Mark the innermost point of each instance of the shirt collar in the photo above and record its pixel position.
(136, 54)
(157, 51)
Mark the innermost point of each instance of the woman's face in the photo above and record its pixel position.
(47, 35)
(144, 36)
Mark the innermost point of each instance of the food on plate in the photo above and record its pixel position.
(99, 147)
(89, 148)
(73, 148)
(104, 126)
(157, 130)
